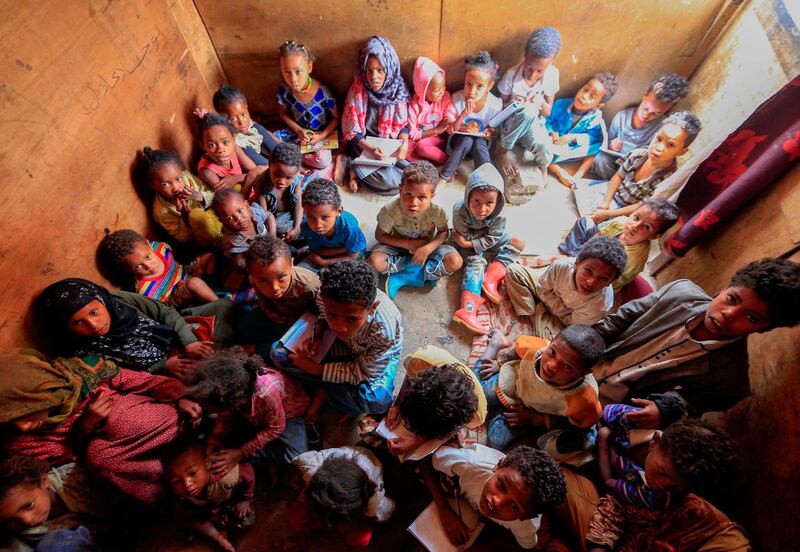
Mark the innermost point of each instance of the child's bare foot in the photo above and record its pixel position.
(505, 164)
(443, 180)
(497, 341)
(541, 261)
(338, 169)
(352, 183)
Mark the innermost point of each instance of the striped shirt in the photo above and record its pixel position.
(161, 286)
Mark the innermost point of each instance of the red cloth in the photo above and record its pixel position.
(219, 170)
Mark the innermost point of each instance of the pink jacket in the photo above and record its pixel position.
(422, 114)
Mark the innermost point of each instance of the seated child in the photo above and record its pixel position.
(634, 127)
(331, 233)
(475, 105)
(430, 113)
(412, 232)
(156, 273)
(376, 105)
(576, 126)
(281, 191)
(241, 224)
(215, 504)
(182, 205)
(306, 106)
(641, 170)
(512, 490)
(532, 84)
(343, 489)
(478, 226)
(568, 292)
(265, 405)
(254, 140)
(648, 222)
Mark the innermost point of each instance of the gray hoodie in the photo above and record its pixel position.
(487, 233)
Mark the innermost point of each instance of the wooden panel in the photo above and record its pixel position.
(85, 84)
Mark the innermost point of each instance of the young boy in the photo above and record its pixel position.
(641, 170)
(634, 127)
(331, 233)
(282, 193)
(412, 231)
(531, 84)
(577, 128)
(568, 292)
(648, 222)
(156, 273)
(479, 226)
(241, 224)
(255, 140)
(512, 490)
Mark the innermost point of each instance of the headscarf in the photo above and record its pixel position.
(29, 384)
(135, 341)
(394, 88)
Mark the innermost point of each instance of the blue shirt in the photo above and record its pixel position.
(346, 234)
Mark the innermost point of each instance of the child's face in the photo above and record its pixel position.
(436, 88)
(143, 262)
(92, 320)
(282, 175)
(736, 311)
(590, 96)
(238, 115)
(560, 364)
(643, 225)
(345, 319)
(651, 108)
(534, 67)
(235, 214)
(592, 275)
(415, 198)
(188, 473)
(505, 496)
(295, 69)
(668, 143)
(477, 84)
(31, 422)
(659, 469)
(482, 203)
(25, 506)
(375, 73)
(166, 179)
(218, 143)
(272, 280)
(322, 218)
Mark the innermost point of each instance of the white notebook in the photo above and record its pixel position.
(303, 329)
(368, 163)
(495, 121)
(425, 449)
(428, 529)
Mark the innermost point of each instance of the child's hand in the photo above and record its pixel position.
(220, 463)
(178, 365)
(292, 234)
(309, 347)
(615, 144)
(244, 509)
(193, 410)
(472, 126)
(227, 182)
(521, 417)
(392, 418)
(505, 354)
(562, 140)
(98, 409)
(376, 151)
(456, 529)
(306, 364)
(648, 417)
(599, 215)
(489, 367)
(554, 137)
(316, 259)
(200, 349)
(469, 106)
(443, 127)
(420, 256)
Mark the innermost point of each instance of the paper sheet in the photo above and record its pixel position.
(303, 329)
(425, 449)
(428, 530)
(367, 164)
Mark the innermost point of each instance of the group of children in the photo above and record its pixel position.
(193, 381)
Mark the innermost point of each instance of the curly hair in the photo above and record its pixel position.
(180, 446)
(226, 95)
(322, 191)
(20, 470)
(222, 197)
(119, 244)
(420, 172)
(608, 250)
(438, 401)
(210, 120)
(777, 283)
(688, 121)
(286, 154)
(703, 456)
(339, 490)
(483, 62)
(151, 160)
(670, 88)
(226, 378)
(292, 47)
(664, 209)
(541, 475)
(609, 82)
(585, 341)
(350, 281)
(544, 42)
(265, 250)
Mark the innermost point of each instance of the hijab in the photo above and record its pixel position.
(394, 89)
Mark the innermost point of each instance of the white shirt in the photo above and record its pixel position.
(492, 107)
(557, 290)
(514, 86)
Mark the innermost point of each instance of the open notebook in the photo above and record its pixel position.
(428, 530)
(366, 163)
(495, 121)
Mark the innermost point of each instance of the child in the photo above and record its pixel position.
(634, 127)
(343, 489)
(156, 273)
(241, 224)
(253, 139)
(182, 205)
(214, 503)
(430, 113)
(412, 228)
(240, 388)
(476, 105)
(650, 220)
(376, 105)
(331, 233)
(532, 84)
(512, 490)
(479, 226)
(568, 292)
(306, 106)
(641, 170)
(576, 126)
(224, 164)
(281, 193)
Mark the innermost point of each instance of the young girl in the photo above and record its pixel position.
(182, 202)
(344, 489)
(241, 224)
(430, 113)
(476, 106)
(224, 164)
(255, 140)
(376, 105)
(306, 106)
